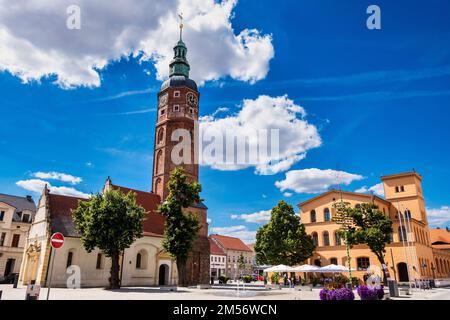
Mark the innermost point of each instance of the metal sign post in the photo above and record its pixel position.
(56, 241)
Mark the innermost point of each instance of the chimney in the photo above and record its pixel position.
(29, 198)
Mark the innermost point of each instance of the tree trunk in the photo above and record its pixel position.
(381, 260)
(114, 282)
(181, 266)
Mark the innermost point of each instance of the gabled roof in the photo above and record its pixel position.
(154, 221)
(19, 203)
(439, 236)
(61, 207)
(368, 196)
(230, 243)
(214, 248)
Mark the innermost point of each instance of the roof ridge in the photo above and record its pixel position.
(12, 195)
(150, 192)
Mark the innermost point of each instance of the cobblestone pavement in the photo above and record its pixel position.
(149, 293)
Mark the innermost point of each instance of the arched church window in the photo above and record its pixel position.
(158, 186)
(160, 135)
(138, 261)
(69, 259)
(159, 162)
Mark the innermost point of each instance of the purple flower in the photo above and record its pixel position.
(367, 293)
(336, 294)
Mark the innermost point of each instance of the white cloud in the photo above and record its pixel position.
(208, 220)
(315, 180)
(64, 177)
(296, 135)
(262, 216)
(439, 216)
(288, 194)
(36, 185)
(241, 232)
(377, 189)
(35, 42)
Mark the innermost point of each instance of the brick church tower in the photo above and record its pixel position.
(178, 109)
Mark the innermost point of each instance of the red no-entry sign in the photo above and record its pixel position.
(57, 240)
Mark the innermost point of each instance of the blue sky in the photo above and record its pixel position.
(378, 98)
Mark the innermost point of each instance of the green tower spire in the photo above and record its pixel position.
(179, 65)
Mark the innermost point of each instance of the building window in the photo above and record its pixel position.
(176, 94)
(162, 111)
(138, 261)
(402, 234)
(326, 214)
(2, 215)
(326, 238)
(141, 259)
(191, 110)
(176, 107)
(317, 262)
(15, 241)
(357, 206)
(333, 261)
(363, 263)
(396, 189)
(313, 215)
(315, 238)
(99, 261)
(69, 259)
(402, 188)
(2, 239)
(407, 214)
(337, 238)
(26, 218)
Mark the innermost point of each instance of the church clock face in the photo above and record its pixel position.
(163, 100)
(191, 99)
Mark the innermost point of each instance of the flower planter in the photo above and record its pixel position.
(370, 293)
(336, 294)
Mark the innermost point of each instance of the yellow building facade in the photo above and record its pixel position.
(410, 254)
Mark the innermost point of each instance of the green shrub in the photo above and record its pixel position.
(315, 281)
(247, 279)
(223, 279)
(275, 277)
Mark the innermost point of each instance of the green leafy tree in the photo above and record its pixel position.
(111, 221)
(241, 262)
(343, 219)
(283, 239)
(181, 228)
(372, 227)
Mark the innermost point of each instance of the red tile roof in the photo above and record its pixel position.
(440, 236)
(214, 248)
(61, 212)
(60, 208)
(231, 243)
(154, 221)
